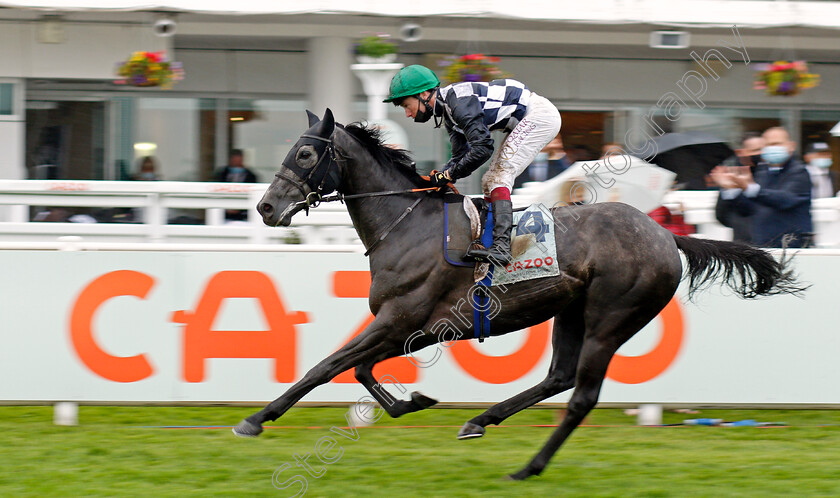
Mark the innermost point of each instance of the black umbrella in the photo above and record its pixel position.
(691, 155)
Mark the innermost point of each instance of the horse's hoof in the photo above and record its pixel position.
(422, 401)
(521, 475)
(470, 430)
(247, 429)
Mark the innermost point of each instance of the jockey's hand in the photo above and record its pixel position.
(440, 178)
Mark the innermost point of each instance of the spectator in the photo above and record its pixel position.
(572, 192)
(236, 172)
(550, 162)
(748, 155)
(613, 149)
(818, 164)
(148, 170)
(673, 221)
(578, 153)
(778, 197)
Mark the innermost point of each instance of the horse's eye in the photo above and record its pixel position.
(305, 157)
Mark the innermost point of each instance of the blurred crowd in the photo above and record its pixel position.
(765, 190)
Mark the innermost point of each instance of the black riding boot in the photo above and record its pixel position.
(499, 252)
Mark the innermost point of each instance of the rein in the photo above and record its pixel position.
(342, 197)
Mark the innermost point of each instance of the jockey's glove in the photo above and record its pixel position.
(440, 178)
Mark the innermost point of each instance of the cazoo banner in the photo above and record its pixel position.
(142, 326)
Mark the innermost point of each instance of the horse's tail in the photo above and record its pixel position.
(747, 270)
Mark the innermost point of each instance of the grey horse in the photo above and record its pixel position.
(619, 269)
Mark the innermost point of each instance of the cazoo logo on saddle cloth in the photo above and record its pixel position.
(532, 247)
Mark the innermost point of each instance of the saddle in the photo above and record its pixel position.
(532, 243)
(463, 218)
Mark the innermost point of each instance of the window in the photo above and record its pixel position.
(265, 130)
(6, 99)
(166, 129)
(11, 104)
(65, 139)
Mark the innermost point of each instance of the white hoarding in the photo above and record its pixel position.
(125, 326)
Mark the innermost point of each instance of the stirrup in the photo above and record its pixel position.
(476, 252)
(484, 255)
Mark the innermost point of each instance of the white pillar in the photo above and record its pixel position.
(376, 81)
(330, 81)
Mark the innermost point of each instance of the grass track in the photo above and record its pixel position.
(115, 452)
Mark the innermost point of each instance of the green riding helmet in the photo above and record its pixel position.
(410, 81)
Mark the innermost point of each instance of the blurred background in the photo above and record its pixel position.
(609, 66)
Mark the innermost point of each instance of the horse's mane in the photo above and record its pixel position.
(370, 138)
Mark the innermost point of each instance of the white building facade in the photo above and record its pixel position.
(250, 74)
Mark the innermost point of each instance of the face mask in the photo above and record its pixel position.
(775, 154)
(425, 114)
(237, 169)
(428, 110)
(148, 176)
(822, 162)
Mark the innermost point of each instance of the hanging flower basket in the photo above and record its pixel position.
(784, 78)
(472, 67)
(376, 47)
(148, 69)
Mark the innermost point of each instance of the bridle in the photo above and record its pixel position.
(314, 197)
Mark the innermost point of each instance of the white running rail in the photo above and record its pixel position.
(156, 204)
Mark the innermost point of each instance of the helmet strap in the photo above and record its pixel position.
(438, 120)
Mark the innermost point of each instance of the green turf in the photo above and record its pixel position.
(114, 452)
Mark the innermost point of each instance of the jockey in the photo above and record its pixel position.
(470, 111)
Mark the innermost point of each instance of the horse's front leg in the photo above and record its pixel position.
(366, 346)
(393, 406)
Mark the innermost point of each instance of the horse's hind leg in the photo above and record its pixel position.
(606, 330)
(566, 338)
(394, 407)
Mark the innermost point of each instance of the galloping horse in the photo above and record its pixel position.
(619, 268)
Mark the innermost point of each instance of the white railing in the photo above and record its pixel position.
(156, 204)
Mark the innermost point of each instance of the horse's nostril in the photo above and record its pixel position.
(266, 208)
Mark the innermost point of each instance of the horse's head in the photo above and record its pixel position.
(308, 172)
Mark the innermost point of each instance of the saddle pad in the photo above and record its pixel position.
(533, 247)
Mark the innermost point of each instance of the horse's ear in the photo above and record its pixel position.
(313, 119)
(327, 124)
